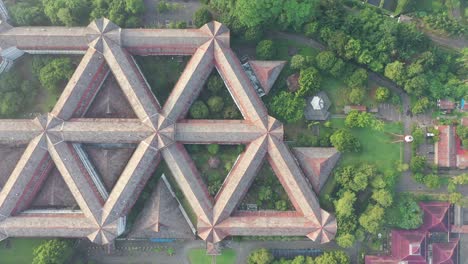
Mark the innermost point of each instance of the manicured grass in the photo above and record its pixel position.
(198, 256)
(377, 146)
(337, 93)
(20, 251)
(284, 45)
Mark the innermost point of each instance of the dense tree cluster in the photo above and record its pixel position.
(344, 141)
(398, 50)
(356, 119)
(56, 251)
(288, 107)
(264, 256)
(15, 94)
(362, 201)
(77, 12)
(212, 103)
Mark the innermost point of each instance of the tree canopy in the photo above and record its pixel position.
(309, 82)
(344, 141)
(55, 251)
(286, 106)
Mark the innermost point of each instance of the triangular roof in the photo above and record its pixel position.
(267, 72)
(445, 253)
(435, 216)
(317, 164)
(161, 217)
(156, 133)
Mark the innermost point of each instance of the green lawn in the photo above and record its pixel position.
(20, 251)
(198, 256)
(377, 147)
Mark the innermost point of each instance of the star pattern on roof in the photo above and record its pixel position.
(160, 132)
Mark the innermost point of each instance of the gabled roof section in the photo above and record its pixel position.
(435, 216)
(161, 217)
(445, 150)
(267, 72)
(445, 253)
(157, 132)
(317, 163)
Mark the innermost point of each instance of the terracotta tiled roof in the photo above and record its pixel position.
(267, 72)
(446, 104)
(156, 131)
(435, 216)
(412, 245)
(317, 163)
(445, 253)
(445, 149)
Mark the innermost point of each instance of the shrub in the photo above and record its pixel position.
(215, 104)
(382, 94)
(432, 181)
(356, 96)
(202, 16)
(266, 50)
(55, 251)
(260, 256)
(56, 72)
(286, 106)
(298, 62)
(253, 34)
(231, 112)
(181, 24)
(358, 78)
(213, 149)
(215, 84)
(344, 141)
(309, 82)
(406, 213)
(311, 29)
(418, 163)
(199, 110)
(325, 60)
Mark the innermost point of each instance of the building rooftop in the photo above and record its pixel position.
(317, 107)
(449, 152)
(413, 246)
(151, 132)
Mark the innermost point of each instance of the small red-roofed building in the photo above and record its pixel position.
(445, 148)
(293, 82)
(266, 72)
(359, 108)
(464, 121)
(446, 105)
(445, 253)
(415, 246)
(435, 216)
(317, 164)
(449, 152)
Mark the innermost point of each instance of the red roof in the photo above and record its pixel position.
(293, 82)
(446, 104)
(464, 120)
(412, 245)
(445, 253)
(435, 216)
(462, 154)
(445, 147)
(267, 72)
(409, 245)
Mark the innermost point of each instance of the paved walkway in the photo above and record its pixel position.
(145, 253)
